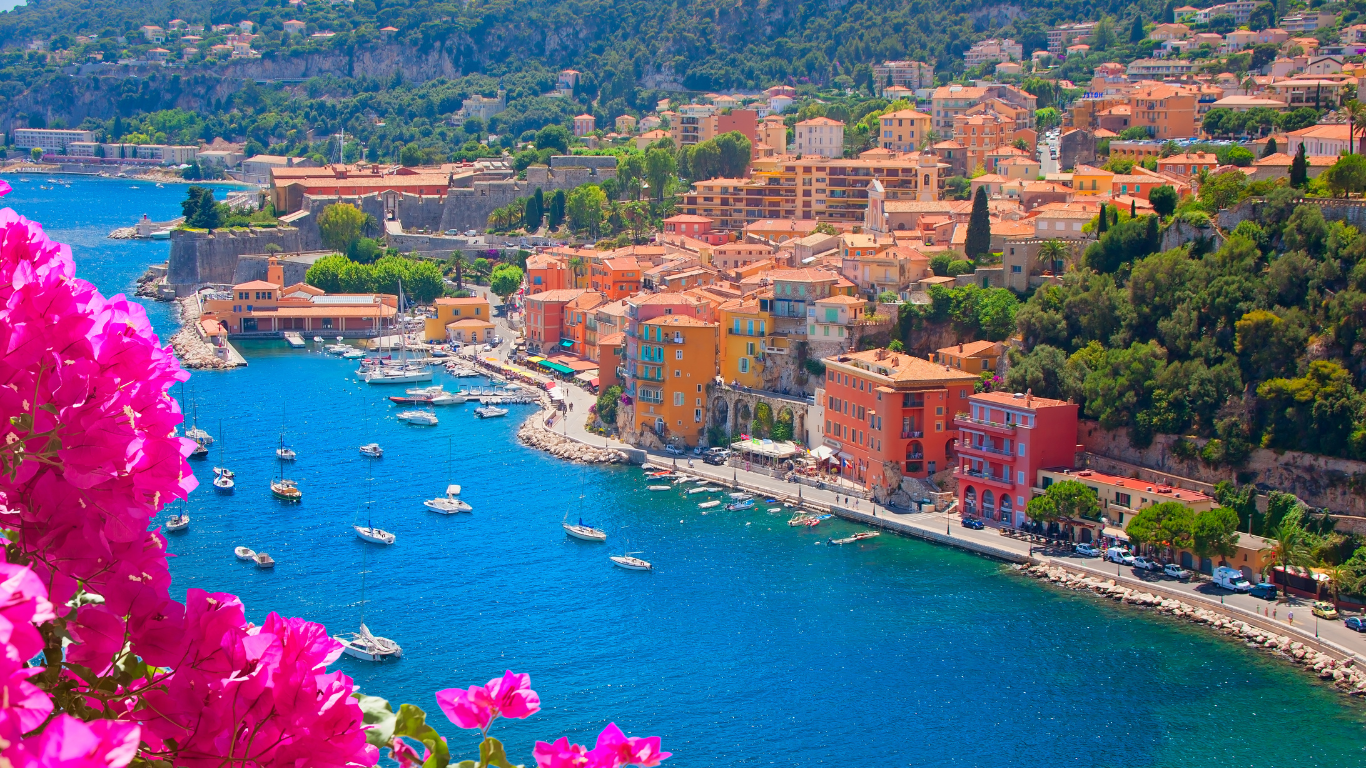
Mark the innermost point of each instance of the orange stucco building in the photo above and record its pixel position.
(269, 308)
(677, 359)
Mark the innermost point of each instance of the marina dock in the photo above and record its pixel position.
(294, 339)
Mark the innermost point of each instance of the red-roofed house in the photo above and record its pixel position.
(545, 320)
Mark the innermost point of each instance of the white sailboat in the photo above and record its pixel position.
(363, 645)
(449, 504)
(625, 560)
(222, 476)
(369, 532)
(581, 530)
(373, 450)
(405, 371)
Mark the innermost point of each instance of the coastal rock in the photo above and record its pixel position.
(535, 435)
(190, 346)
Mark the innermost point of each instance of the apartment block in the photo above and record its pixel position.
(1003, 440)
(819, 136)
(889, 415)
(1168, 112)
(905, 130)
(1060, 37)
(949, 101)
(677, 359)
(49, 139)
(992, 50)
(907, 74)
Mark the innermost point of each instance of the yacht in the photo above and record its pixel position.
(244, 553)
(581, 531)
(448, 398)
(490, 411)
(418, 418)
(449, 504)
(372, 450)
(286, 490)
(397, 375)
(366, 647)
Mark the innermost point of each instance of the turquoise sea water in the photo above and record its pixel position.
(749, 645)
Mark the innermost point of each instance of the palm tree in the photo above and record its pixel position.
(1289, 547)
(459, 261)
(1051, 256)
(1344, 579)
(1355, 111)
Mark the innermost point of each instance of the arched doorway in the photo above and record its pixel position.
(720, 409)
(970, 501)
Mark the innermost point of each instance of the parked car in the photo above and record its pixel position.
(1145, 564)
(1231, 578)
(716, 456)
(1266, 591)
(471, 233)
(1325, 610)
(675, 450)
(452, 232)
(1355, 623)
(973, 523)
(1086, 550)
(1119, 555)
(1176, 572)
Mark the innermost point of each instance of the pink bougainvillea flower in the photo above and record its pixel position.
(404, 753)
(477, 708)
(561, 754)
(615, 748)
(99, 636)
(69, 743)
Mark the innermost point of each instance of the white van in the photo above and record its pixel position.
(1231, 578)
(1119, 555)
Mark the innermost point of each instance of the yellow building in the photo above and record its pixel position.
(677, 360)
(1089, 180)
(452, 310)
(905, 130)
(744, 328)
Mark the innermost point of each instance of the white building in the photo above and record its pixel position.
(49, 139)
(907, 74)
(819, 136)
(993, 50)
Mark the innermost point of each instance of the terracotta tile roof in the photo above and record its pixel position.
(1009, 398)
(685, 320)
(900, 367)
(562, 294)
(969, 348)
(612, 340)
(255, 285)
(802, 275)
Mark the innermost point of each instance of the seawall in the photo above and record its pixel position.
(200, 258)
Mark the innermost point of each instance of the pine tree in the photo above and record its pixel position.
(979, 226)
(1299, 168)
(1104, 220)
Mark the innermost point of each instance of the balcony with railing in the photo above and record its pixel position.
(912, 434)
(1002, 481)
(966, 419)
(984, 449)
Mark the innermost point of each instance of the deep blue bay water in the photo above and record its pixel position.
(749, 644)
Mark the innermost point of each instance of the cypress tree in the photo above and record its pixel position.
(1299, 168)
(1271, 147)
(535, 210)
(1154, 236)
(555, 211)
(1169, 13)
(1136, 31)
(979, 226)
(1133, 208)
(1104, 220)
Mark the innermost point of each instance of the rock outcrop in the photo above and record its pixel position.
(534, 434)
(1344, 673)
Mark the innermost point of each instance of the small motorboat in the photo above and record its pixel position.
(659, 487)
(318, 339)
(244, 554)
(366, 647)
(286, 490)
(448, 504)
(448, 398)
(865, 535)
(424, 391)
(490, 411)
(583, 532)
(178, 523)
(372, 450)
(286, 453)
(740, 495)
(264, 560)
(709, 504)
(422, 399)
(739, 505)
(700, 489)
(418, 418)
(374, 535)
(353, 354)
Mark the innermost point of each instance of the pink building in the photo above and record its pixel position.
(1003, 442)
(545, 324)
(584, 125)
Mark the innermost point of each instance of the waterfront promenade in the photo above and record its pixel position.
(946, 529)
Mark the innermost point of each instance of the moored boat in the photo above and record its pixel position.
(658, 487)
(490, 411)
(178, 522)
(373, 450)
(264, 560)
(286, 490)
(374, 535)
(418, 418)
(739, 505)
(244, 553)
(709, 504)
(367, 647)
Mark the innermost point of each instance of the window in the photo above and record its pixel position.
(678, 374)
(939, 411)
(678, 398)
(678, 354)
(697, 415)
(744, 365)
(1122, 499)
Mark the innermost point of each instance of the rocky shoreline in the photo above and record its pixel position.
(1345, 675)
(534, 434)
(193, 350)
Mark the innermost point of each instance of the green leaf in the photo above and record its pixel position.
(380, 717)
(412, 722)
(467, 764)
(491, 753)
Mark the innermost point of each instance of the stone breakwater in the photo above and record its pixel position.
(1343, 673)
(534, 434)
(194, 351)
